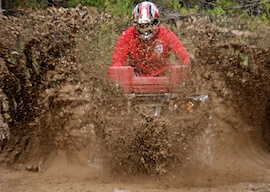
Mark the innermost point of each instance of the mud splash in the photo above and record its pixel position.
(67, 111)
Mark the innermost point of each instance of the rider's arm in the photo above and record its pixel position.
(122, 48)
(178, 49)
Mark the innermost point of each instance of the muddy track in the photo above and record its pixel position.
(58, 106)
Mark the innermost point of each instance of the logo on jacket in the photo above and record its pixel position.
(159, 49)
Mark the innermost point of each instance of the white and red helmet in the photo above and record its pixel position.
(145, 12)
(145, 17)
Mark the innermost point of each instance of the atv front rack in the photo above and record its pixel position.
(130, 83)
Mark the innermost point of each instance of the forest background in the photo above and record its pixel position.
(246, 9)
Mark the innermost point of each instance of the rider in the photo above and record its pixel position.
(146, 45)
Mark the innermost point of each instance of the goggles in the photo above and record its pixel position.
(146, 27)
(147, 30)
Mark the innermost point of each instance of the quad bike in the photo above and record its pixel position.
(158, 92)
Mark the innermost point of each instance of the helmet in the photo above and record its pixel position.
(145, 17)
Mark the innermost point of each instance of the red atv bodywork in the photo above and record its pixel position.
(130, 83)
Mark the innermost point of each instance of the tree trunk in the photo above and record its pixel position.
(0, 6)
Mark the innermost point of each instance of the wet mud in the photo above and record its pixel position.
(61, 119)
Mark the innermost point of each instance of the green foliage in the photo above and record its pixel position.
(120, 8)
(225, 4)
(245, 15)
(221, 8)
(244, 58)
(266, 11)
(194, 10)
(217, 11)
(265, 18)
(260, 20)
(31, 3)
(183, 11)
(96, 3)
(175, 5)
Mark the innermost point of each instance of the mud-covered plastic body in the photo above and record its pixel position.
(130, 83)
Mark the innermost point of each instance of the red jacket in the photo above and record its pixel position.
(149, 58)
